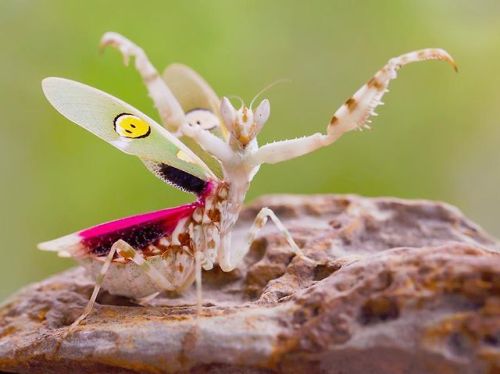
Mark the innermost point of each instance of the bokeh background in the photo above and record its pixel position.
(438, 137)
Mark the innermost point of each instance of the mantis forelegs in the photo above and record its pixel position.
(353, 114)
(168, 107)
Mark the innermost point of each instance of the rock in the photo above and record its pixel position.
(398, 287)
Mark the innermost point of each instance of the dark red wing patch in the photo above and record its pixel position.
(139, 231)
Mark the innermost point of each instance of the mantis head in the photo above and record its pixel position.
(244, 124)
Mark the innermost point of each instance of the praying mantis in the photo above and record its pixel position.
(143, 255)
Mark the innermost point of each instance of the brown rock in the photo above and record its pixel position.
(398, 287)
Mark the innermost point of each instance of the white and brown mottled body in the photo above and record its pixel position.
(169, 262)
(204, 237)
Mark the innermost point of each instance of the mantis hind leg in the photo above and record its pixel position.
(125, 250)
(98, 284)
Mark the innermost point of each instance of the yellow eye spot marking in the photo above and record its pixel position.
(130, 126)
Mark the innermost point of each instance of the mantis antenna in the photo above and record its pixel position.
(269, 86)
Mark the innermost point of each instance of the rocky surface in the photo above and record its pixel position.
(398, 287)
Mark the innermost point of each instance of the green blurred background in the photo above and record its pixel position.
(438, 137)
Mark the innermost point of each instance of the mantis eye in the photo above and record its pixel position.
(130, 126)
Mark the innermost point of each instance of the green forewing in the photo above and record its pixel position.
(97, 111)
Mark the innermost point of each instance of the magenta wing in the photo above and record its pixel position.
(139, 231)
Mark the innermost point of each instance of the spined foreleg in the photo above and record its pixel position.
(168, 107)
(353, 114)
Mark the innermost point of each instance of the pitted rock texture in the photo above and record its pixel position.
(396, 286)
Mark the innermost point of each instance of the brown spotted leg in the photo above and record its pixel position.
(353, 114)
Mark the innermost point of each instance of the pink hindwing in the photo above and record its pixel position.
(139, 231)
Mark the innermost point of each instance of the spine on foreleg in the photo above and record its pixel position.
(355, 112)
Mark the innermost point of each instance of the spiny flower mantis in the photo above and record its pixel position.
(140, 256)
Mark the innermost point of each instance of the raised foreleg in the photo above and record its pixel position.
(168, 107)
(353, 114)
(208, 141)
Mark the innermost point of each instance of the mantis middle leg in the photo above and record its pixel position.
(227, 264)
